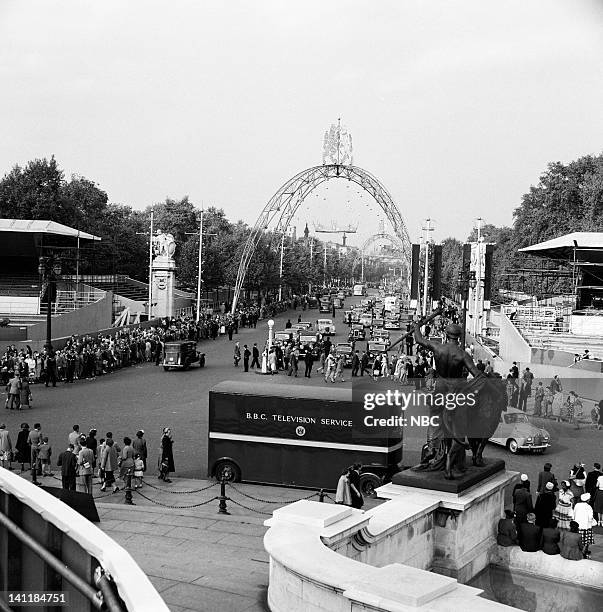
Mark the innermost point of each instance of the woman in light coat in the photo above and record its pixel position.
(109, 464)
(343, 495)
(85, 463)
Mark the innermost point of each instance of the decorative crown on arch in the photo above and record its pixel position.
(337, 146)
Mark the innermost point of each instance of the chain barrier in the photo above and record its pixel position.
(271, 501)
(248, 508)
(146, 482)
(171, 506)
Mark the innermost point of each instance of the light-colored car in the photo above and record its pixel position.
(516, 432)
(303, 325)
(365, 319)
(326, 327)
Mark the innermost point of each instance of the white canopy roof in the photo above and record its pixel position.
(27, 226)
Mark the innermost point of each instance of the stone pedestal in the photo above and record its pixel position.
(164, 269)
(464, 525)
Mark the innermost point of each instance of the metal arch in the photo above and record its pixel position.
(395, 241)
(285, 202)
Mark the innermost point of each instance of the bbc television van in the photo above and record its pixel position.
(295, 436)
(359, 289)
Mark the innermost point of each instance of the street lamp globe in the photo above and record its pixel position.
(271, 323)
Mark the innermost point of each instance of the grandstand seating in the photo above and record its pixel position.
(125, 287)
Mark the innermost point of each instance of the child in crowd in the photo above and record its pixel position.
(44, 454)
(138, 471)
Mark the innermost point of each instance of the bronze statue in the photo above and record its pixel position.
(447, 442)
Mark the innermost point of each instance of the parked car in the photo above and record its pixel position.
(517, 433)
(391, 323)
(326, 327)
(375, 348)
(303, 325)
(346, 349)
(286, 335)
(381, 335)
(366, 319)
(181, 355)
(357, 332)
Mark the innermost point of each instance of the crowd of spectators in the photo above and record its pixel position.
(561, 519)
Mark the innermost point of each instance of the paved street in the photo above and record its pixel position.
(147, 397)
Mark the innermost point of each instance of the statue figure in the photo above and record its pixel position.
(163, 244)
(447, 442)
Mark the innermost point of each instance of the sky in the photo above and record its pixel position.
(456, 107)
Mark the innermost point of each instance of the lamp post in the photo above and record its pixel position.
(270, 333)
(49, 268)
(467, 280)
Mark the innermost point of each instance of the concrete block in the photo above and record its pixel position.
(307, 512)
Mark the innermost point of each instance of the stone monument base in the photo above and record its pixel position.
(435, 481)
(464, 526)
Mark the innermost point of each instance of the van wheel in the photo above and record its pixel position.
(368, 484)
(513, 446)
(166, 368)
(228, 470)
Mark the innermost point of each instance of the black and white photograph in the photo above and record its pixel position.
(301, 304)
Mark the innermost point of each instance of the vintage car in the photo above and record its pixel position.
(326, 305)
(357, 332)
(286, 335)
(366, 319)
(312, 302)
(391, 323)
(381, 335)
(303, 325)
(337, 302)
(375, 348)
(341, 295)
(347, 350)
(326, 327)
(517, 433)
(181, 355)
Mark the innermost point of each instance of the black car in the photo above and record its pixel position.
(181, 355)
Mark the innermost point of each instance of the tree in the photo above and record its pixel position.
(452, 261)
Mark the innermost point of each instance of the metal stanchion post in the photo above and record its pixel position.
(34, 472)
(222, 505)
(321, 496)
(129, 487)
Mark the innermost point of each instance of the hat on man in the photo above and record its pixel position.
(550, 486)
(454, 330)
(531, 517)
(585, 497)
(524, 477)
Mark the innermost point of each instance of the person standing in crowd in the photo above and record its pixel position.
(51, 369)
(598, 501)
(545, 506)
(590, 485)
(92, 442)
(6, 447)
(272, 361)
(545, 477)
(583, 515)
(564, 512)
(23, 446)
(35, 440)
(507, 531)
(166, 457)
(329, 367)
(355, 363)
(13, 390)
(127, 459)
(551, 537)
(109, 465)
(26, 397)
(522, 501)
(45, 454)
(364, 363)
(67, 461)
(514, 370)
(343, 495)
(74, 438)
(246, 356)
(138, 470)
(293, 361)
(570, 543)
(308, 360)
(538, 398)
(85, 463)
(354, 476)
(255, 356)
(139, 445)
(237, 354)
(530, 534)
